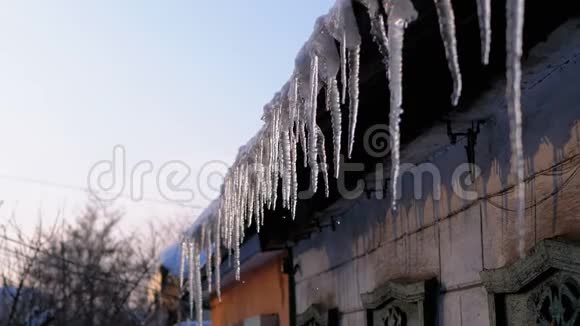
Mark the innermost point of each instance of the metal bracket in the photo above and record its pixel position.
(471, 135)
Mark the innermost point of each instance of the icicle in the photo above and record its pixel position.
(287, 158)
(312, 150)
(199, 290)
(224, 210)
(294, 196)
(447, 29)
(231, 210)
(336, 118)
(245, 196)
(353, 88)
(191, 278)
(293, 100)
(257, 188)
(275, 158)
(202, 238)
(241, 209)
(259, 185)
(303, 143)
(322, 156)
(218, 256)
(380, 37)
(400, 15)
(236, 247)
(484, 17)
(251, 203)
(515, 24)
(208, 260)
(183, 254)
(343, 66)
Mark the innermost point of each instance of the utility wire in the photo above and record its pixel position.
(45, 183)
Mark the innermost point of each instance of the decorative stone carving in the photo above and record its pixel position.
(401, 303)
(316, 315)
(539, 289)
(558, 302)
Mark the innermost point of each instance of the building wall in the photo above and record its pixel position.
(164, 298)
(454, 239)
(261, 291)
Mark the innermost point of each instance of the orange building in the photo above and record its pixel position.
(261, 297)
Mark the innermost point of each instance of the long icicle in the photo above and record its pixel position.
(236, 245)
(294, 158)
(336, 119)
(396, 36)
(191, 279)
(287, 163)
(198, 288)
(399, 16)
(208, 260)
(343, 66)
(353, 88)
(379, 33)
(447, 29)
(218, 256)
(303, 140)
(484, 17)
(515, 24)
(312, 150)
(183, 256)
(323, 162)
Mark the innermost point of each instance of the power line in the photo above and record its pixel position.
(553, 171)
(50, 184)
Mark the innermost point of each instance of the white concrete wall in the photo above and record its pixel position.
(454, 239)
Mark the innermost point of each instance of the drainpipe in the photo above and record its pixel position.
(289, 269)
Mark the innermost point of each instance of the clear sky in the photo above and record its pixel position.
(168, 80)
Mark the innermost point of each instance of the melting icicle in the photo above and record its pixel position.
(343, 66)
(287, 158)
(353, 88)
(275, 159)
(236, 247)
(447, 29)
(484, 17)
(294, 196)
(208, 254)
(302, 136)
(191, 278)
(336, 118)
(312, 150)
(400, 15)
(183, 254)
(515, 24)
(198, 288)
(378, 30)
(342, 25)
(202, 237)
(322, 156)
(218, 256)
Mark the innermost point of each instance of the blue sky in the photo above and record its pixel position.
(168, 80)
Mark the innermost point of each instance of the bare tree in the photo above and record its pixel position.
(19, 254)
(84, 273)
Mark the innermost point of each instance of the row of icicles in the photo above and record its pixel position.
(268, 162)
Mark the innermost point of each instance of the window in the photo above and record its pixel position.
(401, 303)
(539, 289)
(317, 315)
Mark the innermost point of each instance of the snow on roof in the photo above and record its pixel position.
(267, 162)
